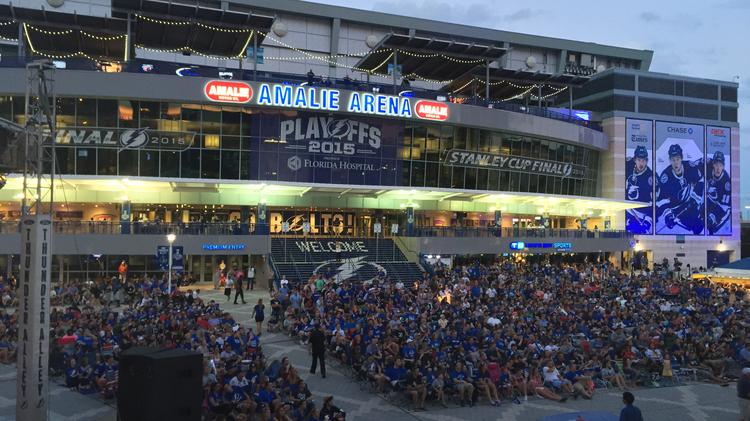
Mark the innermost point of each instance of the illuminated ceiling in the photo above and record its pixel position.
(92, 189)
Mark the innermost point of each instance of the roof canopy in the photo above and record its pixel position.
(425, 58)
(506, 83)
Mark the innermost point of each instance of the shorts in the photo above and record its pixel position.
(556, 383)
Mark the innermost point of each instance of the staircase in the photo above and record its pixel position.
(359, 259)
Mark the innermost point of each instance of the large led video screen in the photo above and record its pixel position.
(639, 175)
(718, 181)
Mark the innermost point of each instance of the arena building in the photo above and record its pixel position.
(290, 135)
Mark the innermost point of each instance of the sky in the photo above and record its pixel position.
(701, 38)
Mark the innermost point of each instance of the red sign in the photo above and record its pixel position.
(228, 91)
(431, 110)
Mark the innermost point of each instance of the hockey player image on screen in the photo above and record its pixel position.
(679, 196)
(639, 186)
(718, 197)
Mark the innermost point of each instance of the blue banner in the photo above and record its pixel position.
(718, 181)
(639, 175)
(162, 257)
(125, 217)
(178, 259)
(680, 187)
(320, 148)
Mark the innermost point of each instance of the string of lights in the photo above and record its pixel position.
(8, 39)
(241, 54)
(7, 22)
(71, 32)
(26, 28)
(103, 38)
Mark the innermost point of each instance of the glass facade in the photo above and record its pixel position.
(228, 144)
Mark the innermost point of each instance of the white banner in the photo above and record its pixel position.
(32, 387)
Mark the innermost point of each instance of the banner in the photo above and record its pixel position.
(178, 259)
(32, 387)
(639, 175)
(125, 214)
(473, 159)
(718, 180)
(162, 257)
(679, 164)
(320, 148)
(124, 139)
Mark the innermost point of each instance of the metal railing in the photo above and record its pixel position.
(228, 228)
(512, 232)
(137, 228)
(170, 68)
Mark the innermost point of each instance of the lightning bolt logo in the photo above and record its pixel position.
(339, 128)
(349, 268)
(133, 138)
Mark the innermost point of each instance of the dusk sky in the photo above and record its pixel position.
(701, 38)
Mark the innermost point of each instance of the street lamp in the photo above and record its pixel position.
(170, 238)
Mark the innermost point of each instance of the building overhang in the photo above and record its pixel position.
(105, 189)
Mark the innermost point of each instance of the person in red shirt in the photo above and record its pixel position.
(123, 270)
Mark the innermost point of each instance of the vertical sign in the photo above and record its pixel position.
(125, 217)
(681, 183)
(33, 321)
(639, 176)
(178, 259)
(162, 257)
(718, 181)
(409, 221)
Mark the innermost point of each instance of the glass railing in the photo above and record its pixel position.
(228, 228)
(512, 232)
(170, 68)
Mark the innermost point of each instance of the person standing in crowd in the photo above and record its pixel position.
(630, 412)
(123, 270)
(217, 278)
(318, 344)
(260, 315)
(251, 277)
(743, 394)
(238, 291)
(228, 288)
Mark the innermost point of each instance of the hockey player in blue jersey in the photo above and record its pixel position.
(719, 195)
(638, 188)
(679, 195)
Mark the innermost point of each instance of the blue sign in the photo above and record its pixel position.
(162, 257)
(178, 259)
(223, 247)
(312, 98)
(561, 246)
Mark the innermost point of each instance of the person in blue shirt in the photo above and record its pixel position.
(630, 412)
(461, 381)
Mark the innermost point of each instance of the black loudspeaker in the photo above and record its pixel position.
(160, 385)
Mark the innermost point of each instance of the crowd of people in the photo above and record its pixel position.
(507, 331)
(92, 324)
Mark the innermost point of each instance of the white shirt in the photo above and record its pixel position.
(550, 375)
(236, 382)
(491, 293)
(251, 273)
(284, 282)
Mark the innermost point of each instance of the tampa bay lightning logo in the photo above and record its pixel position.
(133, 138)
(356, 269)
(339, 128)
(295, 223)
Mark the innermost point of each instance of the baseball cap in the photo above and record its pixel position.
(746, 371)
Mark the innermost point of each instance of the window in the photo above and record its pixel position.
(86, 161)
(85, 112)
(655, 106)
(128, 162)
(729, 114)
(170, 164)
(149, 164)
(107, 161)
(191, 163)
(656, 85)
(230, 165)
(106, 113)
(729, 93)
